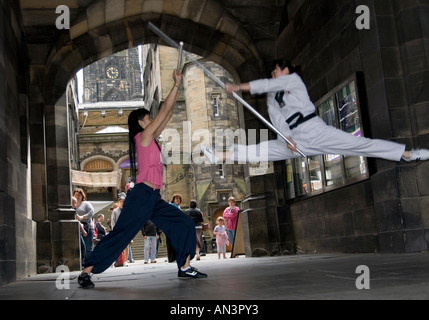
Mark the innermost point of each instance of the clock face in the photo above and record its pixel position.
(112, 72)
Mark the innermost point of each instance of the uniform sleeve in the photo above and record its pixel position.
(273, 85)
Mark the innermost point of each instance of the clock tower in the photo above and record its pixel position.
(115, 78)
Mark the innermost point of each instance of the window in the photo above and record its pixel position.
(224, 196)
(216, 102)
(221, 171)
(339, 108)
(98, 165)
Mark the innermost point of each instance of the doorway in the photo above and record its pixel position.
(218, 213)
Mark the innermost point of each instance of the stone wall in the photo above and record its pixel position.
(17, 230)
(389, 212)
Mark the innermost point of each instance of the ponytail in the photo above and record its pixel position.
(133, 129)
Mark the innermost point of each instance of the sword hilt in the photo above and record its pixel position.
(179, 61)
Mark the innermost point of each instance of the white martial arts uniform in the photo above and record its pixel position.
(313, 137)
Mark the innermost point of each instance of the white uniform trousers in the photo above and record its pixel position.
(315, 137)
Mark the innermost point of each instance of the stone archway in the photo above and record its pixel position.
(39, 61)
(107, 27)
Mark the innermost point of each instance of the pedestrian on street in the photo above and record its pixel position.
(82, 233)
(171, 253)
(117, 211)
(150, 234)
(231, 215)
(85, 214)
(123, 258)
(197, 216)
(221, 237)
(101, 230)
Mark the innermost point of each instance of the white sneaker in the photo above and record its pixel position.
(418, 155)
(209, 153)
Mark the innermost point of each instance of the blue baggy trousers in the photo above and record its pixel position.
(141, 204)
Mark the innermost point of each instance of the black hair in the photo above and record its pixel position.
(283, 63)
(193, 204)
(133, 129)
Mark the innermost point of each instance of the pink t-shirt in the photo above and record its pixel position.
(150, 166)
(230, 217)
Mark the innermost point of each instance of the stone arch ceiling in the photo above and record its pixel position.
(240, 35)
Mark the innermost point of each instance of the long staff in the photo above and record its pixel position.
(172, 43)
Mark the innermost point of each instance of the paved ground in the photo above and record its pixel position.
(298, 277)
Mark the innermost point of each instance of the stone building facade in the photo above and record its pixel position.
(114, 78)
(112, 88)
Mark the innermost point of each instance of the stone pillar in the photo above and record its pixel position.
(7, 215)
(259, 216)
(412, 57)
(64, 228)
(7, 239)
(384, 182)
(16, 247)
(38, 166)
(395, 67)
(57, 231)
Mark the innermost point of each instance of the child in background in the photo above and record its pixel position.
(221, 237)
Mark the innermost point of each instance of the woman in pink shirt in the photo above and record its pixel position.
(143, 202)
(230, 215)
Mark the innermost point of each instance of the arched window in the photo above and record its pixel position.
(98, 165)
